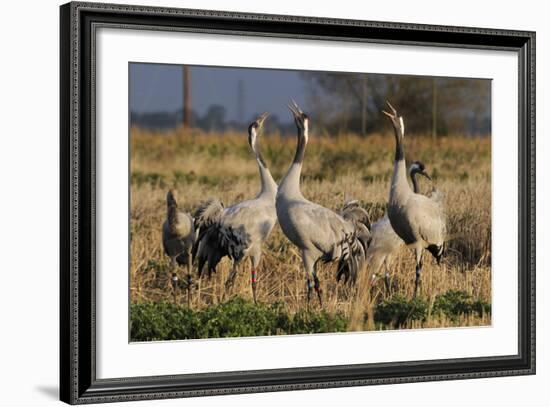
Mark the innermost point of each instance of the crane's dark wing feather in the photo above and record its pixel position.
(355, 244)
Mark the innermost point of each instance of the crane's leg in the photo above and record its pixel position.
(317, 286)
(387, 282)
(387, 278)
(231, 279)
(311, 270)
(417, 281)
(309, 286)
(255, 262)
(189, 278)
(310, 274)
(254, 282)
(174, 280)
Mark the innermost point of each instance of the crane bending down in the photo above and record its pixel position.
(385, 241)
(318, 232)
(178, 238)
(241, 229)
(415, 218)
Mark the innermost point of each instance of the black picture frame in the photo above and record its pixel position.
(78, 382)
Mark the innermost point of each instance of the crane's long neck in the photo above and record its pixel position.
(291, 181)
(416, 189)
(400, 186)
(399, 136)
(268, 184)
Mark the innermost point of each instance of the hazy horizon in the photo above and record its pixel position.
(224, 98)
(159, 88)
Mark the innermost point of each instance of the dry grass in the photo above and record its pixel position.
(201, 165)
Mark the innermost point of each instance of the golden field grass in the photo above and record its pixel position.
(200, 166)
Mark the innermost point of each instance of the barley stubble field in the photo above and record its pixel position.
(201, 165)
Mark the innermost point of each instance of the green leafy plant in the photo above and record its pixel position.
(398, 310)
(238, 317)
(454, 303)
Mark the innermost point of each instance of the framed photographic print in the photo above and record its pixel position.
(255, 203)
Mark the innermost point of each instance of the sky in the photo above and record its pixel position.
(158, 87)
(243, 93)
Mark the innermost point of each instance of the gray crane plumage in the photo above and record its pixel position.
(417, 219)
(241, 229)
(385, 242)
(178, 238)
(352, 212)
(319, 233)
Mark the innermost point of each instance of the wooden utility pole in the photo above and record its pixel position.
(434, 108)
(186, 97)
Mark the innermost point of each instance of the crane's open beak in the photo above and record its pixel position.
(392, 113)
(293, 111)
(425, 174)
(296, 111)
(262, 118)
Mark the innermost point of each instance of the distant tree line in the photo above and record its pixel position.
(215, 119)
(345, 102)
